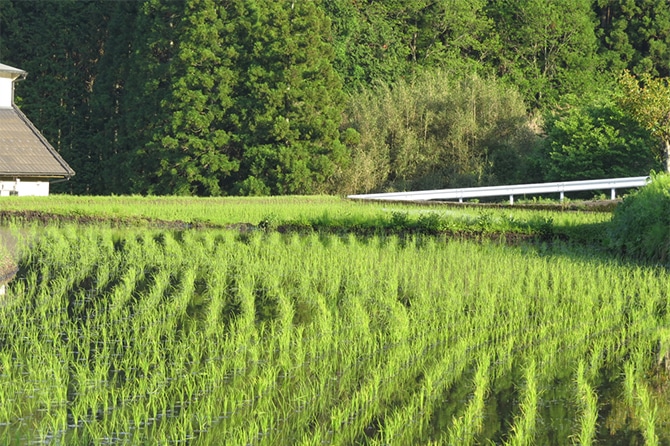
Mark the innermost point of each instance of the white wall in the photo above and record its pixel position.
(22, 188)
(6, 92)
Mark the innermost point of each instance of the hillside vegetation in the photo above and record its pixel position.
(269, 97)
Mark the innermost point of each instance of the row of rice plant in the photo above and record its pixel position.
(204, 337)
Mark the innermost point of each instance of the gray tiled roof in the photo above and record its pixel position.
(24, 151)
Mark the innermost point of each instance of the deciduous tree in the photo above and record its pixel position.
(595, 141)
(436, 132)
(647, 99)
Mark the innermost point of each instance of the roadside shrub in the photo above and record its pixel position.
(595, 141)
(641, 223)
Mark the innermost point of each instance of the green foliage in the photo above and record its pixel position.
(647, 100)
(288, 100)
(548, 48)
(143, 87)
(154, 336)
(385, 41)
(543, 228)
(435, 132)
(430, 223)
(641, 224)
(192, 148)
(635, 35)
(121, 105)
(202, 97)
(369, 45)
(269, 222)
(458, 36)
(399, 221)
(9, 24)
(57, 44)
(595, 141)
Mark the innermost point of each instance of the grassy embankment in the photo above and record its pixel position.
(319, 213)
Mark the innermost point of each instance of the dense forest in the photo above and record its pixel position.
(254, 97)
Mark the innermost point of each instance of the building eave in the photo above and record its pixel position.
(67, 172)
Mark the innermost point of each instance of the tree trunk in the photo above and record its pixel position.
(666, 154)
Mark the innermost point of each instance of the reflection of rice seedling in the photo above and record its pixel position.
(589, 408)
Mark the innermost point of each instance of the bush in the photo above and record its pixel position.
(435, 131)
(641, 224)
(596, 141)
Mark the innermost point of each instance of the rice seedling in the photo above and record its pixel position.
(144, 335)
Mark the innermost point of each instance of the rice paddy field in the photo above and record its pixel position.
(229, 328)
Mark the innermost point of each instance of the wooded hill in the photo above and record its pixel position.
(217, 97)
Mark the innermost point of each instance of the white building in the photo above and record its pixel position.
(27, 161)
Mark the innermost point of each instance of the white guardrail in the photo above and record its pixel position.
(501, 191)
